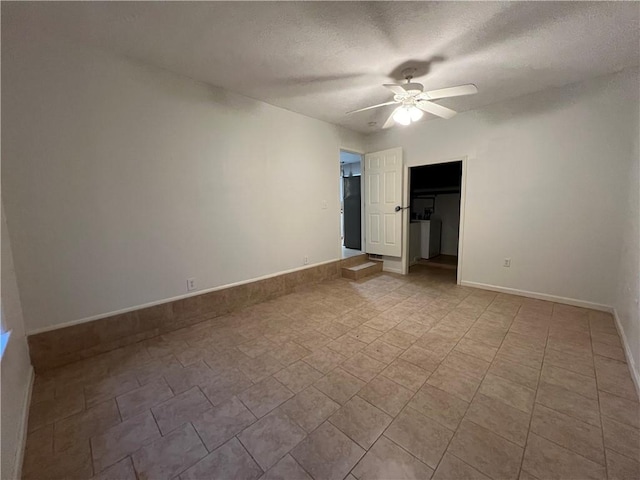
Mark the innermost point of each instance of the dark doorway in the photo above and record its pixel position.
(352, 212)
(435, 215)
(351, 202)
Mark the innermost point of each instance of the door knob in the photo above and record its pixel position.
(398, 208)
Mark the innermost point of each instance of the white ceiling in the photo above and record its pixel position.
(322, 59)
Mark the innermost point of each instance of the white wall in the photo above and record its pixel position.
(16, 372)
(448, 211)
(122, 180)
(546, 184)
(627, 294)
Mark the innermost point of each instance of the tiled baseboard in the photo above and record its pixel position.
(633, 368)
(69, 344)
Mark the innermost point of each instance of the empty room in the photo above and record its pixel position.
(320, 240)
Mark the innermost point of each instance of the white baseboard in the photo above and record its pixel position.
(633, 368)
(173, 299)
(22, 434)
(392, 270)
(540, 296)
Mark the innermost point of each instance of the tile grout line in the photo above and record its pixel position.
(484, 375)
(133, 467)
(203, 444)
(576, 419)
(526, 443)
(394, 418)
(405, 406)
(246, 449)
(479, 385)
(366, 449)
(604, 447)
(424, 383)
(259, 330)
(465, 411)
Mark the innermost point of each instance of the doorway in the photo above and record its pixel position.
(350, 203)
(435, 193)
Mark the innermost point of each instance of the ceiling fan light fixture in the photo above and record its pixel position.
(415, 113)
(406, 114)
(402, 116)
(413, 101)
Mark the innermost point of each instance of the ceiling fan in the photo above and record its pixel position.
(414, 101)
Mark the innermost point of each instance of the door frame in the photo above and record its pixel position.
(407, 213)
(362, 154)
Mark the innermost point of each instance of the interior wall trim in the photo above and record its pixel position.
(171, 299)
(633, 368)
(540, 296)
(93, 336)
(392, 270)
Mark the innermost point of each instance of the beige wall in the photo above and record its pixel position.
(552, 183)
(546, 182)
(122, 180)
(627, 291)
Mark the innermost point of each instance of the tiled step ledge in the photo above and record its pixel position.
(357, 272)
(65, 345)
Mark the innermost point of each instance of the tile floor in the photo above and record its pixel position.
(390, 377)
(442, 261)
(350, 252)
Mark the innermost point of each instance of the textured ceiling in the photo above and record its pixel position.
(322, 59)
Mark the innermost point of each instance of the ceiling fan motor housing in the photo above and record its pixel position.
(413, 88)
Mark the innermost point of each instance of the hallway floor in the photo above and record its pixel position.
(441, 261)
(390, 377)
(350, 252)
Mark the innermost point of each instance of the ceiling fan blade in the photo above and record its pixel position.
(390, 121)
(395, 88)
(468, 89)
(435, 109)
(372, 106)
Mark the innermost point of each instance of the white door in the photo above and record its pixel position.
(383, 193)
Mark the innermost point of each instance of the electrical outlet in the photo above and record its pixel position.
(191, 284)
(325, 205)
(306, 260)
(507, 262)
